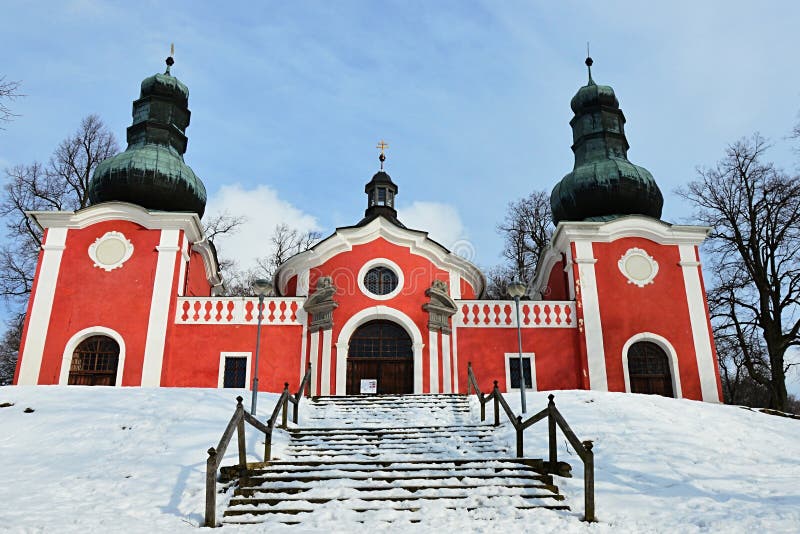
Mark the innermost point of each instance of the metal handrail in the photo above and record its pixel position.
(239, 418)
(554, 418)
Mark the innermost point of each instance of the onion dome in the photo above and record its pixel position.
(603, 184)
(381, 191)
(151, 172)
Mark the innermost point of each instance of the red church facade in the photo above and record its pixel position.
(617, 304)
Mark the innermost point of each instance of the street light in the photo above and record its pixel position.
(261, 288)
(516, 289)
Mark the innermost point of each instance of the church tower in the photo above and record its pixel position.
(637, 281)
(109, 275)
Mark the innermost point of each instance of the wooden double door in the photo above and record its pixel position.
(648, 369)
(381, 351)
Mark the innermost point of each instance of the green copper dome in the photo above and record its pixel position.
(151, 172)
(603, 184)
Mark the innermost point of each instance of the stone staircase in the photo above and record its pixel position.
(390, 459)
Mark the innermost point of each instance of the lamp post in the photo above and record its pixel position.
(516, 289)
(261, 288)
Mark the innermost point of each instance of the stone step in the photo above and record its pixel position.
(373, 515)
(413, 505)
(417, 477)
(368, 487)
(461, 493)
(379, 430)
(535, 464)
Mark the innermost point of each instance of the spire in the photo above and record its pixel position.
(170, 62)
(151, 172)
(603, 184)
(382, 145)
(589, 63)
(381, 192)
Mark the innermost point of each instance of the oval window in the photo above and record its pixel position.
(380, 280)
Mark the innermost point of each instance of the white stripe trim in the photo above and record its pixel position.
(36, 334)
(159, 308)
(697, 317)
(447, 370)
(433, 350)
(325, 387)
(314, 356)
(593, 329)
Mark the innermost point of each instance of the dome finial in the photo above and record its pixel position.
(383, 145)
(589, 63)
(170, 60)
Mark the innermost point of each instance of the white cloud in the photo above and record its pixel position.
(263, 210)
(441, 221)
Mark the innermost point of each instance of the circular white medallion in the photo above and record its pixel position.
(638, 267)
(110, 251)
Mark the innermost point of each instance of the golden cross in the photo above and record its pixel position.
(383, 145)
(172, 49)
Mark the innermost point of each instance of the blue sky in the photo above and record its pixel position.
(473, 97)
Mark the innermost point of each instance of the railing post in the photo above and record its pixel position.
(469, 382)
(295, 408)
(496, 394)
(268, 446)
(240, 437)
(211, 488)
(307, 387)
(520, 447)
(588, 483)
(285, 410)
(551, 431)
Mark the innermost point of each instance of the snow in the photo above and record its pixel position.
(133, 460)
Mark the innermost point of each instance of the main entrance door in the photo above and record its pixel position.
(381, 350)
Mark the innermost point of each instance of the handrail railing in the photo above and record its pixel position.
(554, 418)
(236, 424)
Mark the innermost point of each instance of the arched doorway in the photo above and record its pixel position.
(648, 367)
(381, 350)
(94, 362)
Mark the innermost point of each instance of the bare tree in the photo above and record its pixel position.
(285, 241)
(8, 91)
(526, 230)
(754, 211)
(62, 184)
(9, 348)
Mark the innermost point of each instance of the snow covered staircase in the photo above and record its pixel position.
(391, 459)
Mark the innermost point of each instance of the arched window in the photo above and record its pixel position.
(94, 362)
(380, 280)
(648, 368)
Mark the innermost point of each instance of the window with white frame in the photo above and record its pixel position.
(234, 370)
(513, 370)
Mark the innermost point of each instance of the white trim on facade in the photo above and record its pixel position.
(314, 358)
(77, 338)
(372, 314)
(455, 285)
(109, 264)
(628, 226)
(593, 329)
(159, 308)
(344, 239)
(223, 355)
(525, 356)
(433, 351)
(381, 262)
(41, 309)
(454, 349)
(447, 367)
(699, 322)
(674, 368)
(325, 387)
(124, 211)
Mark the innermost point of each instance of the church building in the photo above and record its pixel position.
(126, 290)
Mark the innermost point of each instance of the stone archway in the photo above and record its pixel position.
(381, 350)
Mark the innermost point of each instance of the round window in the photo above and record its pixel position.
(380, 280)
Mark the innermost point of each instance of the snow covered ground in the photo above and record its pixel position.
(133, 460)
